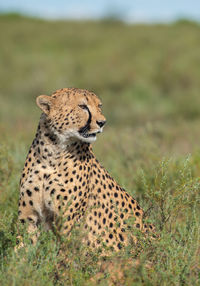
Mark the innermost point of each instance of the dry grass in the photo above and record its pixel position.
(148, 79)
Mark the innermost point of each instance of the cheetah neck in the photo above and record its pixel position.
(51, 150)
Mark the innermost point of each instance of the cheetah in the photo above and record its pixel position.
(62, 177)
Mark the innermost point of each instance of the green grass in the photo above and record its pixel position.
(148, 80)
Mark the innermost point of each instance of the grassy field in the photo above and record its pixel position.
(148, 78)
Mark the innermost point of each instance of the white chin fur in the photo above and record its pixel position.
(87, 140)
(71, 135)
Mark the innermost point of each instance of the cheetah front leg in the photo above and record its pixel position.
(32, 228)
(30, 211)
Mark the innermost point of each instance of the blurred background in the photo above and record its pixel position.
(141, 58)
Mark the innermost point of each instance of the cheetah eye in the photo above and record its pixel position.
(100, 105)
(83, 106)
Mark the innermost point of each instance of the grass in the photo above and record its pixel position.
(148, 80)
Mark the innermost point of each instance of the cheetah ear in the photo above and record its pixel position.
(44, 103)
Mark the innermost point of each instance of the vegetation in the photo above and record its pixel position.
(148, 80)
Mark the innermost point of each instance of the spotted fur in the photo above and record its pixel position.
(62, 177)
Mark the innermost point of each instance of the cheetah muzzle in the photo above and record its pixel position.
(62, 177)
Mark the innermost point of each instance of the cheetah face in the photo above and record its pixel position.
(73, 114)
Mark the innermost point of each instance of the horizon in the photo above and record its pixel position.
(139, 11)
(109, 19)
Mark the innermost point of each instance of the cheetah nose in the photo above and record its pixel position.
(101, 123)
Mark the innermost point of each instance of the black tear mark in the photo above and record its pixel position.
(87, 126)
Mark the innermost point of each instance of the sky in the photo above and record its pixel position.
(128, 10)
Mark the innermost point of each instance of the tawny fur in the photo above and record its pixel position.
(62, 177)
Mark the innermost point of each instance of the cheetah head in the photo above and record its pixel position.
(73, 114)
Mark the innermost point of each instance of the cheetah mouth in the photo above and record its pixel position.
(89, 137)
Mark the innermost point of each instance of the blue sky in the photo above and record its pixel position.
(130, 10)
